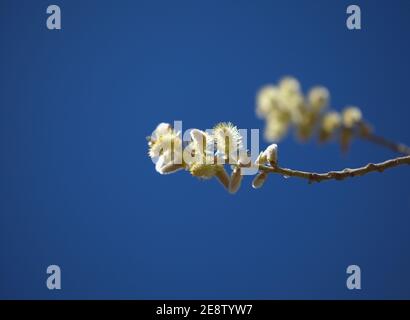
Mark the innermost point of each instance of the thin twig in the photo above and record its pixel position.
(396, 147)
(338, 175)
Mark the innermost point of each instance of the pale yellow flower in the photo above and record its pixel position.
(281, 106)
(331, 121)
(261, 159)
(165, 148)
(203, 141)
(276, 128)
(200, 149)
(285, 106)
(318, 98)
(271, 154)
(161, 129)
(267, 100)
(167, 142)
(351, 116)
(289, 85)
(204, 171)
(228, 140)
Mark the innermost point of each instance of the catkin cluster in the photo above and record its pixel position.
(284, 106)
(206, 154)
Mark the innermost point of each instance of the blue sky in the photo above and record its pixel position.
(78, 190)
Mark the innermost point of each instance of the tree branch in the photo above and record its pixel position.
(338, 175)
(396, 147)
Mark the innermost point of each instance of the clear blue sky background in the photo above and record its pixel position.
(77, 189)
